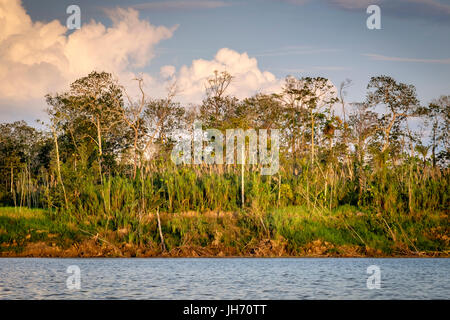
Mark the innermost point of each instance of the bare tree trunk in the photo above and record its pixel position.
(58, 166)
(279, 189)
(100, 151)
(135, 153)
(12, 178)
(160, 231)
(242, 175)
(312, 137)
(387, 133)
(13, 191)
(433, 150)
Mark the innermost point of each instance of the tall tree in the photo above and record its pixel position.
(398, 100)
(94, 101)
(162, 117)
(133, 116)
(306, 99)
(217, 105)
(439, 115)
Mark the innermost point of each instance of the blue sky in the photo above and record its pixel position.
(297, 37)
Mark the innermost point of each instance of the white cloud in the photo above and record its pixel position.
(127, 44)
(248, 79)
(37, 58)
(167, 71)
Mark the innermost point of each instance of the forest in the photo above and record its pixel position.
(368, 178)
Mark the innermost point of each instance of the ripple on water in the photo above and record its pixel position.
(238, 278)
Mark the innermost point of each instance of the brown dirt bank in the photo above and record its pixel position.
(92, 248)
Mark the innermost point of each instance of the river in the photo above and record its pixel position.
(224, 278)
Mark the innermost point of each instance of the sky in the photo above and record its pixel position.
(259, 42)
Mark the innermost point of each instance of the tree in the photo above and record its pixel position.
(342, 93)
(217, 106)
(24, 151)
(306, 99)
(133, 116)
(262, 111)
(399, 101)
(439, 114)
(162, 117)
(363, 122)
(93, 104)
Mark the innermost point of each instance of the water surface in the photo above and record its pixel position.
(234, 278)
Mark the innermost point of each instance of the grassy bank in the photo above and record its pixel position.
(288, 231)
(357, 185)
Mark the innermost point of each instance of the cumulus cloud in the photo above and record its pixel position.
(37, 58)
(248, 79)
(167, 71)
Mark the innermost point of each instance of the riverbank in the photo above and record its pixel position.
(284, 232)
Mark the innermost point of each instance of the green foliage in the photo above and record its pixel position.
(366, 182)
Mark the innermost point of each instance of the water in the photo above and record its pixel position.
(236, 278)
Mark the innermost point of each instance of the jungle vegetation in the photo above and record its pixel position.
(363, 178)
